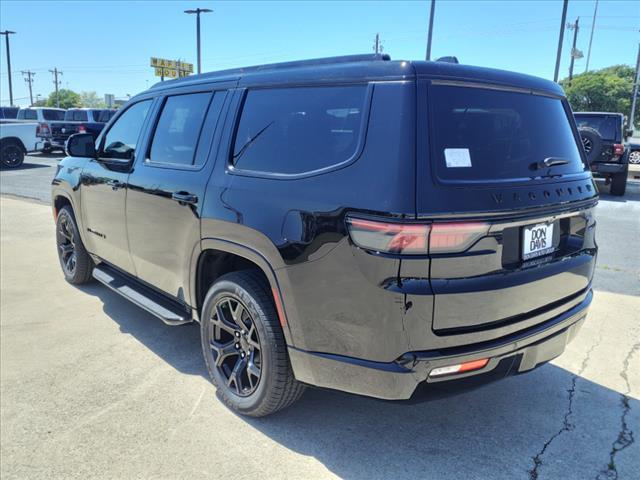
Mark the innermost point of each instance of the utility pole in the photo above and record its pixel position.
(6, 34)
(430, 35)
(574, 52)
(593, 26)
(28, 77)
(635, 92)
(198, 11)
(560, 38)
(56, 82)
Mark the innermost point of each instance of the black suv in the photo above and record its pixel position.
(603, 141)
(351, 223)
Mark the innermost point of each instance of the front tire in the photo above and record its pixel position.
(75, 261)
(244, 347)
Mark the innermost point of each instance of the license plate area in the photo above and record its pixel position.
(539, 240)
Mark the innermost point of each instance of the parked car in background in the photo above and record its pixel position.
(603, 138)
(353, 223)
(8, 113)
(48, 118)
(634, 151)
(80, 120)
(16, 140)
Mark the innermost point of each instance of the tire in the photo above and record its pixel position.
(619, 183)
(634, 157)
(11, 154)
(75, 262)
(263, 380)
(591, 143)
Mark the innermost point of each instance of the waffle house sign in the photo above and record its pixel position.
(171, 68)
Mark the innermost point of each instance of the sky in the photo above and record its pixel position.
(105, 46)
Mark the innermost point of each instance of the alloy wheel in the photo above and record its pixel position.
(634, 157)
(235, 345)
(11, 155)
(67, 246)
(587, 144)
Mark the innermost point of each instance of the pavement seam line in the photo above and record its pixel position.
(566, 424)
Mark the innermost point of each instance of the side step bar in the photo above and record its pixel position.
(169, 312)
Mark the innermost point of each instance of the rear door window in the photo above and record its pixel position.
(298, 130)
(53, 115)
(485, 135)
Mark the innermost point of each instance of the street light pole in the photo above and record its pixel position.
(430, 34)
(198, 11)
(6, 34)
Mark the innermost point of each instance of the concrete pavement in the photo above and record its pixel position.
(93, 387)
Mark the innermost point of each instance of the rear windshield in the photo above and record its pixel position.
(484, 135)
(607, 126)
(53, 114)
(102, 116)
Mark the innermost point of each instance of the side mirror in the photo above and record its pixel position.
(81, 145)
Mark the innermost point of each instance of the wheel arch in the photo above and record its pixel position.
(13, 140)
(217, 257)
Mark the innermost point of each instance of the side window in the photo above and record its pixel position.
(298, 130)
(21, 114)
(121, 139)
(30, 115)
(178, 129)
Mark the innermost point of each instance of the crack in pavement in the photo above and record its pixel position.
(625, 436)
(566, 424)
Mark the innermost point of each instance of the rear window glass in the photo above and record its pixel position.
(102, 116)
(607, 126)
(28, 115)
(53, 114)
(80, 116)
(482, 135)
(298, 130)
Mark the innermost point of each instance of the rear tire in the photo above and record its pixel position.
(75, 261)
(244, 347)
(11, 154)
(619, 183)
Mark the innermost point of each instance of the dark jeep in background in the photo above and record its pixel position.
(353, 223)
(603, 139)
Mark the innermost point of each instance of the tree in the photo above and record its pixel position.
(68, 99)
(91, 100)
(606, 90)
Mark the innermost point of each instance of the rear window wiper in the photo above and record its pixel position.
(549, 162)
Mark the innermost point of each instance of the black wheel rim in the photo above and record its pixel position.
(586, 143)
(11, 155)
(66, 245)
(235, 346)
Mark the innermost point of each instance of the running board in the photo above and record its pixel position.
(169, 312)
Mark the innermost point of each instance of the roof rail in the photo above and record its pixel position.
(366, 57)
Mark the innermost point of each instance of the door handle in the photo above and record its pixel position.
(184, 198)
(115, 184)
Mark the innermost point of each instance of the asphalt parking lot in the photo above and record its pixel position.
(93, 387)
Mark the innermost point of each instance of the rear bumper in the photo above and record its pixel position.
(600, 168)
(516, 353)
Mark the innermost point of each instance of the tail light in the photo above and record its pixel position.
(43, 130)
(455, 237)
(82, 129)
(618, 149)
(415, 239)
(389, 237)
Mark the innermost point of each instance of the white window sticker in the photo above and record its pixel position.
(457, 157)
